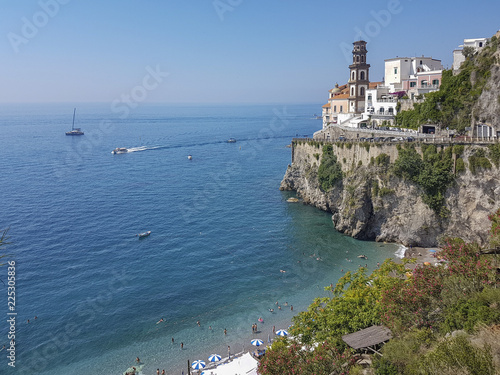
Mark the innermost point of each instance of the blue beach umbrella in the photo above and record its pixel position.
(432, 251)
(198, 365)
(281, 332)
(214, 358)
(257, 342)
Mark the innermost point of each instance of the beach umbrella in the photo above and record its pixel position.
(432, 251)
(198, 365)
(257, 342)
(281, 332)
(214, 358)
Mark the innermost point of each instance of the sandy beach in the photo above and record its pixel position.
(421, 254)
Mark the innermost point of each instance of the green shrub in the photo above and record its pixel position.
(460, 165)
(458, 355)
(316, 156)
(479, 161)
(385, 191)
(360, 163)
(383, 160)
(375, 188)
(458, 150)
(329, 171)
(495, 153)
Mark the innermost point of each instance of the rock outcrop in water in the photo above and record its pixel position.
(371, 203)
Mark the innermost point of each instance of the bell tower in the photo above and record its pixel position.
(359, 79)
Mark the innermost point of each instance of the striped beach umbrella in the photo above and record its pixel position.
(257, 342)
(214, 358)
(281, 332)
(198, 365)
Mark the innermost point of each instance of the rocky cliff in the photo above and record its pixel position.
(372, 203)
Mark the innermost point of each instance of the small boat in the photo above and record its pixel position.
(362, 256)
(190, 157)
(143, 234)
(74, 131)
(119, 150)
(231, 140)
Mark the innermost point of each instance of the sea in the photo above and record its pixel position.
(225, 245)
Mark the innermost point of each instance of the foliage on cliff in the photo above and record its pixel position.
(452, 105)
(432, 172)
(329, 171)
(420, 307)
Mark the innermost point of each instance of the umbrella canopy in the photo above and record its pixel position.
(198, 364)
(214, 358)
(281, 332)
(257, 342)
(432, 251)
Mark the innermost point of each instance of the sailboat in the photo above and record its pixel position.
(74, 131)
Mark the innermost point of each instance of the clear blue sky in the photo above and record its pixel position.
(216, 51)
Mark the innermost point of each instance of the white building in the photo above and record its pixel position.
(400, 69)
(459, 58)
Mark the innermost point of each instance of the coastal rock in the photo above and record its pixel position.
(371, 203)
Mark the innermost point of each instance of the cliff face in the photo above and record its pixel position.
(371, 203)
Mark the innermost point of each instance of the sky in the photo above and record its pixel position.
(217, 51)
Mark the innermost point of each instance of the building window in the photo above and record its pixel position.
(363, 58)
(362, 91)
(391, 110)
(480, 44)
(395, 70)
(353, 59)
(435, 82)
(352, 91)
(413, 84)
(381, 110)
(362, 75)
(335, 108)
(353, 75)
(370, 97)
(357, 58)
(423, 83)
(341, 109)
(420, 62)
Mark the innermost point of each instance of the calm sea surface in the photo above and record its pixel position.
(221, 233)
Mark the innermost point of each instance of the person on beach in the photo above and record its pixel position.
(163, 372)
(228, 352)
(210, 328)
(279, 307)
(271, 310)
(286, 303)
(157, 371)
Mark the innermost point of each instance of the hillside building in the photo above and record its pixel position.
(459, 58)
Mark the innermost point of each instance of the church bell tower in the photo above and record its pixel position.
(359, 79)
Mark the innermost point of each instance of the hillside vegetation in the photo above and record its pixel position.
(444, 318)
(453, 104)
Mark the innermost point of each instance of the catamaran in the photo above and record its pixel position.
(74, 131)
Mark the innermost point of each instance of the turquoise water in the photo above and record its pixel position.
(221, 233)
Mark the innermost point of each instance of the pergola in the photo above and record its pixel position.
(367, 338)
